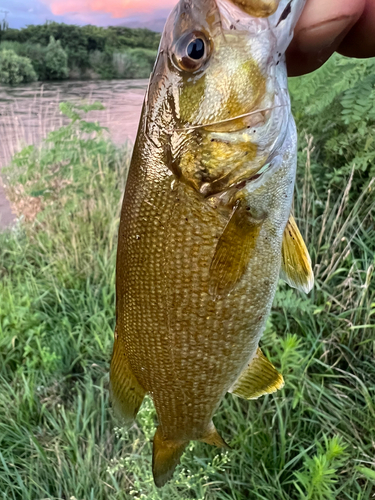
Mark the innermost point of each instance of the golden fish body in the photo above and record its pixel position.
(207, 200)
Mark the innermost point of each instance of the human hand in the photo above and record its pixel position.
(326, 26)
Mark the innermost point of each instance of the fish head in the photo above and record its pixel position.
(215, 92)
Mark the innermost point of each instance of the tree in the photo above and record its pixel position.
(15, 69)
(56, 61)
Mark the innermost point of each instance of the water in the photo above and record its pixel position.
(29, 112)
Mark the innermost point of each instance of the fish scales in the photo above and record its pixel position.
(180, 340)
(207, 200)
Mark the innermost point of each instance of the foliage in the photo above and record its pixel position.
(56, 61)
(15, 69)
(84, 44)
(318, 478)
(134, 63)
(131, 63)
(4, 25)
(336, 106)
(86, 37)
(35, 52)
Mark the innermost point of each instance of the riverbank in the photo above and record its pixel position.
(29, 112)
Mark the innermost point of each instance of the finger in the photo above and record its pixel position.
(360, 42)
(319, 32)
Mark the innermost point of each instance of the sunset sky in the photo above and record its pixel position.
(99, 12)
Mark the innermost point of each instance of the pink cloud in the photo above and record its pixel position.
(116, 8)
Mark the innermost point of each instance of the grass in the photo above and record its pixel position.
(314, 440)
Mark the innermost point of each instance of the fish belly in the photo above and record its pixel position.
(186, 347)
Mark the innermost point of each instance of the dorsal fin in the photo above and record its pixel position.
(296, 267)
(260, 377)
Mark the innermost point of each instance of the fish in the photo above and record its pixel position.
(206, 227)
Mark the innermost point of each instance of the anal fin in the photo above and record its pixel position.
(165, 457)
(213, 438)
(260, 377)
(296, 267)
(126, 392)
(234, 250)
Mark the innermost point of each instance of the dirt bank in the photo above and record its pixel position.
(6, 215)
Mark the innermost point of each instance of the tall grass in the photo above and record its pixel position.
(312, 440)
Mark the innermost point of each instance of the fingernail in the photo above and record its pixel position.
(324, 35)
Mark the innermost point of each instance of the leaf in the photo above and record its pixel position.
(368, 473)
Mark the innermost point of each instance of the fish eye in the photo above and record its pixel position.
(191, 51)
(196, 49)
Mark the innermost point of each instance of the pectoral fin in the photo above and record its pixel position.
(234, 251)
(296, 267)
(260, 377)
(126, 393)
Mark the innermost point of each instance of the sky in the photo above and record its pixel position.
(148, 13)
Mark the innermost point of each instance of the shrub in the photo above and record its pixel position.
(102, 63)
(17, 47)
(336, 105)
(37, 54)
(15, 69)
(133, 63)
(56, 61)
(110, 52)
(123, 64)
(34, 51)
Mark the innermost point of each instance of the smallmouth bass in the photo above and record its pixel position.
(206, 226)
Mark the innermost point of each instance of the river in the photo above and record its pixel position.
(29, 112)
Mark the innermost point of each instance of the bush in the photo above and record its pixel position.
(132, 63)
(15, 69)
(37, 54)
(110, 52)
(56, 61)
(34, 51)
(336, 105)
(17, 47)
(79, 41)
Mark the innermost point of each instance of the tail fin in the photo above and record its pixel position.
(166, 456)
(167, 453)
